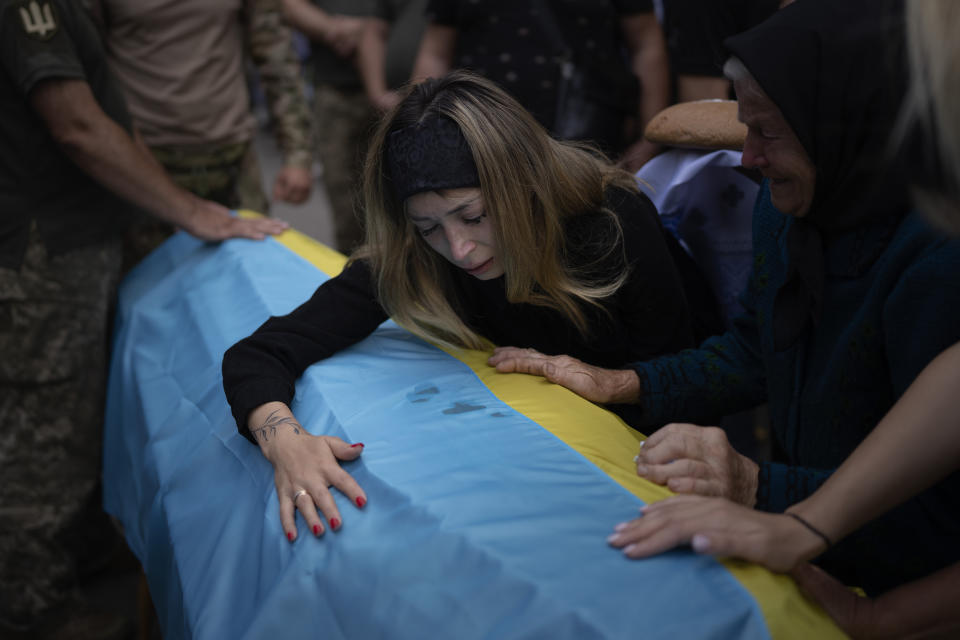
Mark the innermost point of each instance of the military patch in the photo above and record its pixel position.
(39, 20)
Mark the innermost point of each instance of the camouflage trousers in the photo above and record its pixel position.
(343, 121)
(228, 174)
(54, 317)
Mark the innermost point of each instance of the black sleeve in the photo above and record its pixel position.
(630, 7)
(696, 29)
(653, 299)
(36, 44)
(443, 12)
(265, 366)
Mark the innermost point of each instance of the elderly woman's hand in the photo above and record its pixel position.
(691, 459)
(304, 467)
(717, 527)
(603, 386)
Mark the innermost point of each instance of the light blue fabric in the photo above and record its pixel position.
(480, 523)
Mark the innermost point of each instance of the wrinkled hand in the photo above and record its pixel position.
(856, 615)
(343, 35)
(603, 386)
(692, 459)
(293, 184)
(304, 461)
(212, 222)
(717, 527)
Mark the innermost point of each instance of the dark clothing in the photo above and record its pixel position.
(647, 316)
(407, 21)
(893, 295)
(37, 181)
(54, 312)
(695, 31)
(328, 68)
(59, 267)
(837, 72)
(508, 42)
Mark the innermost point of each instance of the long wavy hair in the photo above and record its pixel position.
(530, 184)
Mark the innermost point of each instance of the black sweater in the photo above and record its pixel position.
(648, 316)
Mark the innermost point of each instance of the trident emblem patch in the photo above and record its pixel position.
(38, 21)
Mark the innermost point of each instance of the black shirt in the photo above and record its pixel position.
(39, 40)
(695, 31)
(648, 316)
(507, 41)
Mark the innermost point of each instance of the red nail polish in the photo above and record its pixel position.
(316, 529)
(361, 501)
(354, 446)
(290, 536)
(334, 523)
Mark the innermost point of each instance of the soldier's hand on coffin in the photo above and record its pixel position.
(210, 221)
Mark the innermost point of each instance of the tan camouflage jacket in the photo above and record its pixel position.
(271, 48)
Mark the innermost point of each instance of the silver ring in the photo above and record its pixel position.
(298, 494)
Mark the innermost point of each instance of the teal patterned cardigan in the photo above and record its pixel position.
(891, 304)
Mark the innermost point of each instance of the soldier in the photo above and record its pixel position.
(182, 68)
(342, 113)
(68, 160)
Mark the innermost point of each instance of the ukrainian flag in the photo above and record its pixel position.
(490, 495)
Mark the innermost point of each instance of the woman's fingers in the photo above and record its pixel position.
(340, 478)
(510, 354)
(303, 475)
(695, 486)
(518, 362)
(348, 487)
(711, 526)
(321, 498)
(343, 450)
(288, 514)
(306, 504)
(656, 542)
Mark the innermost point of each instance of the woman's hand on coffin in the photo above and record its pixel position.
(861, 617)
(718, 527)
(304, 467)
(603, 386)
(691, 459)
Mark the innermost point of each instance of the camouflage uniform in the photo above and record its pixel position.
(59, 263)
(54, 314)
(271, 49)
(230, 174)
(344, 121)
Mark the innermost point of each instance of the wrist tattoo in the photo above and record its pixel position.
(268, 429)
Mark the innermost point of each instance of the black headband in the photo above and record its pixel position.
(430, 155)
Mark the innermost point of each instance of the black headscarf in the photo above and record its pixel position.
(836, 70)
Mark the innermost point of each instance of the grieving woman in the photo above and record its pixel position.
(917, 443)
(851, 296)
(479, 226)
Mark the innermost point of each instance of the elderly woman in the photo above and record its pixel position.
(851, 296)
(915, 445)
(479, 227)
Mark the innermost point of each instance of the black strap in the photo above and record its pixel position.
(812, 528)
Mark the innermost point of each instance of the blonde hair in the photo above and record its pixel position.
(933, 101)
(530, 184)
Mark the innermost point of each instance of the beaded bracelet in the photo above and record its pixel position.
(812, 528)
